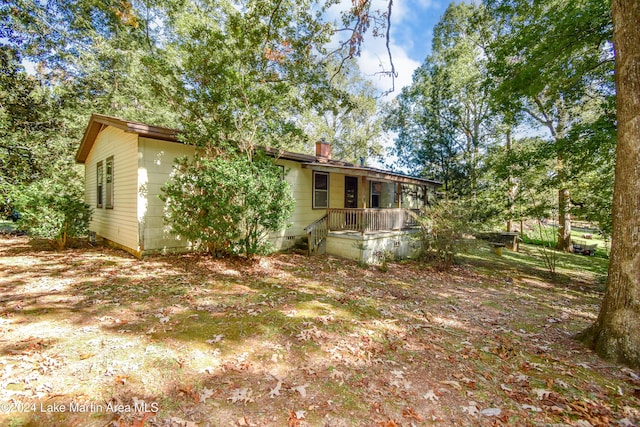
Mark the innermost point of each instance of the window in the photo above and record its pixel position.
(376, 190)
(99, 184)
(109, 183)
(320, 190)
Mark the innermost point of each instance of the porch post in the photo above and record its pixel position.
(399, 195)
(364, 192)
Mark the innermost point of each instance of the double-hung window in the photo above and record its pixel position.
(320, 190)
(376, 191)
(109, 184)
(99, 184)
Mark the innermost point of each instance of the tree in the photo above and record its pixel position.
(516, 172)
(349, 120)
(245, 73)
(228, 204)
(615, 333)
(444, 120)
(551, 59)
(34, 141)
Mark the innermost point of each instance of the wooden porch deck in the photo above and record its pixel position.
(370, 220)
(359, 222)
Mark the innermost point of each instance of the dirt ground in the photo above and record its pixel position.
(94, 337)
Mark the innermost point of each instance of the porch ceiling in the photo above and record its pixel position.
(370, 173)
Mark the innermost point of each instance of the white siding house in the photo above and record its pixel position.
(352, 211)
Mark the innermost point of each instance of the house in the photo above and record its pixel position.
(348, 210)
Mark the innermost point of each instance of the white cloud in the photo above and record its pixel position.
(410, 33)
(375, 59)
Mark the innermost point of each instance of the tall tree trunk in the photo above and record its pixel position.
(513, 188)
(564, 221)
(616, 333)
(564, 196)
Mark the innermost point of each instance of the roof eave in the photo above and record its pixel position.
(97, 122)
(371, 173)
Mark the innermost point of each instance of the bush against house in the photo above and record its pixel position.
(227, 205)
(53, 209)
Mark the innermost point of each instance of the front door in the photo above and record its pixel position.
(350, 192)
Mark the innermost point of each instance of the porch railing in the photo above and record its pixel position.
(316, 234)
(364, 220)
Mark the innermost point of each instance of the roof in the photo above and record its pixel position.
(97, 122)
(304, 158)
(371, 173)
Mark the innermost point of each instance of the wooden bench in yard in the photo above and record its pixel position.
(497, 247)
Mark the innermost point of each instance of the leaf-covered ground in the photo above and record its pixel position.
(295, 341)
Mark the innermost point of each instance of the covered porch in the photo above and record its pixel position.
(369, 212)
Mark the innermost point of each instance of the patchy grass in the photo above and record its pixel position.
(578, 235)
(289, 340)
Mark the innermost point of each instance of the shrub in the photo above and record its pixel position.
(227, 204)
(443, 229)
(547, 247)
(52, 209)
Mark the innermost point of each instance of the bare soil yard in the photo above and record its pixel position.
(93, 337)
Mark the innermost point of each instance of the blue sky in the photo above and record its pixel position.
(412, 23)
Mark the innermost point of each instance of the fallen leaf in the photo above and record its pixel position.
(397, 373)
(337, 375)
(411, 414)
(430, 395)
(276, 390)
(542, 393)
(293, 420)
(491, 412)
(140, 422)
(179, 422)
(472, 409)
(86, 356)
(454, 384)
(244, 422)
(215, 339)
(207, 393)
(301, 389)
(241, 395)
(189, 392)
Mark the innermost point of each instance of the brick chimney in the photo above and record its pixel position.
(323, 150)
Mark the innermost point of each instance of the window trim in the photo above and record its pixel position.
(99, 184)
(109, 185)
(314, 205)
(372, 193)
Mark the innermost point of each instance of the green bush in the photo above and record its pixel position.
(52, 209)
(444, 227)
(229, 204)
